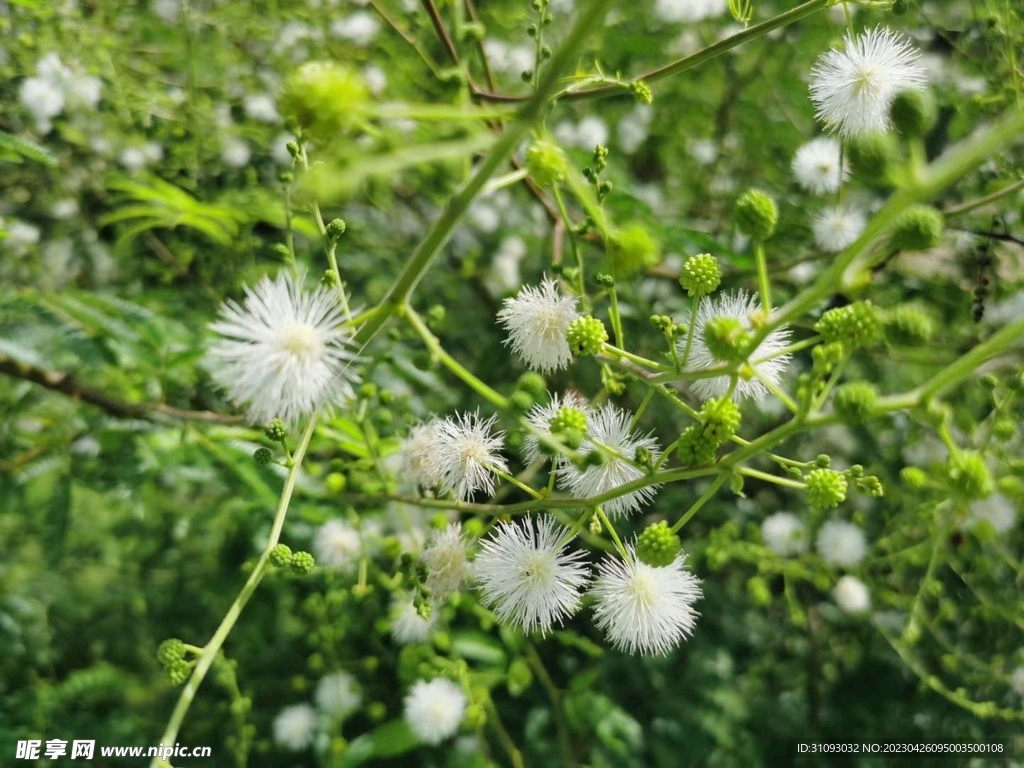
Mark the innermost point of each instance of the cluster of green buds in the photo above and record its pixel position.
(826, 488)
(586, 335)
(531, 388)
(172, 655)
(658, 545)
(700, 275)
(855, 326)
(569, 425)
(299, 563)
(717, 422)
(756, 214)
(324, 98)
(546, 163)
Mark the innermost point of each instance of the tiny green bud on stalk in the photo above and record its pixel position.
(700, 275)
(281, 556)
(658, 545)
(872, 156)
(918, 228)
(546, 163)
(756, 214)
(586, 335)
(914, 112)
(826, 488)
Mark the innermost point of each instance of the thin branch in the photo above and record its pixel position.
(66, 384)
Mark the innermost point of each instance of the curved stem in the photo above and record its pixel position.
(213, 647)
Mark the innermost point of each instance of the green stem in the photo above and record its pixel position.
(429, 248)
(621, 353)
(561, 726)
(615, 317)
(762, 277)
(704, 499)
(520, 485)
(998, 343)
(784, 481)
(980, 202)
(577, 254)
(690, 332)
(212, 648)
(611, 531)
(489, 394)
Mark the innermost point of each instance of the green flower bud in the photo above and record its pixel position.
(856, 325)
(658, 545)
(918, 228)
(302, 563)
(870, 486)
(262, 456)
(586, 335)
(826, 488)
(855, 401)
(281, 556)
(720, 419)
(521, 401)
(569, 419)
(756, 214)
(758, 590)
(170, 652)
(914, 478)
(909, 324)
(336, 482)
(534, 384)
(475, 717)
(700, 275)
(179, 672)
(594, 526)
(632, 250)
(546, 163)
(695, 447)
(642, 92)
(276, 431)
(914, 112)
(604, 280)
(727, 339)
(872, 156)
(336, 228)
(823, 461)
(329, 279)
(969, 475)
(520, 677)
(324, 98)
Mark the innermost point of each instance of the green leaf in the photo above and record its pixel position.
(476, 646)
(388, 740)
(26, 149)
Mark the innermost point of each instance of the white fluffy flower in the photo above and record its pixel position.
(434, 710)
(43, 98)
(359, 28)
(608, 431)
(417, 459)
(840, 543)
(235, 154)
(337, 545)
(261, 107)
(407, 626)
(818, 166)
(852, 595)
(997, 511)
(526, 575)
(854, 88)
(536, 321)
(540, 416)
(836, 228)
(295, 726)
(445, 559)
(283, 352)
(674, 11)
(783, 533)
(767, 359)
(466, 455)
(642, 608)
(1017, 681)
(338, 694)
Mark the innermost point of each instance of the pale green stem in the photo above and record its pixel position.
(613, 351)
(784, 481)
(704, 499)
(577, 254)
(612, 532)
(762, 277)
(212, 648)
(505, 180)
(980, 202)
(520, 485)
(690, 331)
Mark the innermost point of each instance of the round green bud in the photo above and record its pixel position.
(756, 214)
(302, 563)
(586, 335)
(179, 672)
(519, 677)
(658, 545)
(336, 228)
(856, 325)
(695, 447)
(700, 275)
(826, 488)
(170, 652)
(546, 163)
(641, 91)
(534, 384)
(914, 112)
(475, 717)
(604, 280)
(855, 401)
(594, 526)
(918, 228)
(969, 475)
(872, 156)
(521, 401)
(1004, 430)
(336, 482)
(632, 250)
(727, 339)
(720, 419)
(909, 324)
(990, 380)
(324, 98)
(823, 460)
(914, 478)
(281, 556)
(329, 279)
(262, 456)
(276, 431)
